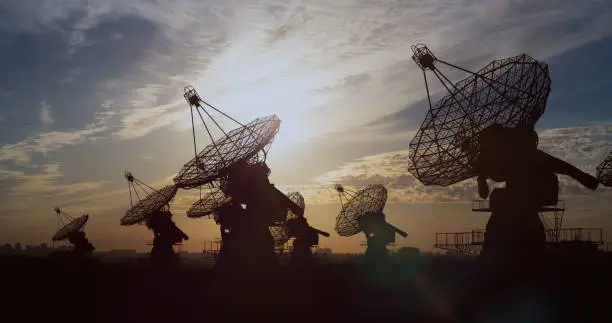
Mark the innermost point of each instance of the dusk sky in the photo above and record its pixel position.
(89, 89)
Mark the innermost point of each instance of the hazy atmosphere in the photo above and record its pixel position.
(90, 89)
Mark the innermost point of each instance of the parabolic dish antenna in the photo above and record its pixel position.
(68, 225)
(510, 92)
(208, 204)
(356, 205)
(604, 171)
(153, 200)
(248, 142)
(280, 231)
(298, 200)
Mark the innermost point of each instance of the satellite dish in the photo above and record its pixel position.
(604, 171)
(248, 142)
(209, 204)
(67, 225)
(152, 200)
(484, 127)
(72, 229)
(298, 200)
(152, 209)
(510, 92)
(362, 211)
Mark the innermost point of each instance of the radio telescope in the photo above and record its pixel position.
(484, 127)
(305, 235)
(604, 171)
(72, 229)
(153, 210)
(220, 206)
(209, 205)
(362, 211)
(511, 92)
(235, 162)
(249, 142)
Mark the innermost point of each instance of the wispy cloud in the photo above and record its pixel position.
(71, 75)
(277, 45)
(583, 146)
(35, 187)
(45, 113)
(47, 142)
(44, 143)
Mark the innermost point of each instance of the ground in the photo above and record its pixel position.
(436, 288)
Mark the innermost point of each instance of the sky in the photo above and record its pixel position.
(90, 89)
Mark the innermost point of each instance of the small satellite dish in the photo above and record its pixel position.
(152, 201)
(510, 92)
(248, 142)
(604, 171)
(298, 200)
(152, 209)
(360, 208)
(209, 204)
(68, 225)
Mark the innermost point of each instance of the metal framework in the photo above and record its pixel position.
(211, 249)
(557, 237)
(604, 171)
(510, 92)
(66, 224)
(469, 243)
(247, 142)
(152, 200)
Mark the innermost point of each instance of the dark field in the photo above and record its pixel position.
(414, 289)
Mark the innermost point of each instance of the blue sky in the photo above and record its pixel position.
(89, 89)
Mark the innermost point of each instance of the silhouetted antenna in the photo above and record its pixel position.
(509, 92)
(280, 234)
(604, 171)
(298, 199)
(152, 201)
(249, 142)
(209, 204)
(357, 206)
(66, 224)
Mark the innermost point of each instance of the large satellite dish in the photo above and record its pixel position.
(67, 225)
(510, 92)
(248, 142)
(359, 206)
(604, 171)
(152, 201)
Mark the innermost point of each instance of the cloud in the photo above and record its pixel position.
(243, 54)
(45, 113)
(46, 142)
(71, 74)
(584, 147)
(116, 36)
(30, 190)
